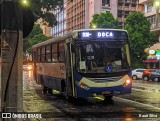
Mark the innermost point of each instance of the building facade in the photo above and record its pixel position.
(152, 12)
(45, 28)
(77, 14)
(60, 28)
(80, 12)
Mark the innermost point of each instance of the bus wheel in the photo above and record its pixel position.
(108, 99)
(49, 91)
(67, 97)
(44, 88)
(66, 91)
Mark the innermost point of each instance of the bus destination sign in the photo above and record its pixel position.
(85, 35)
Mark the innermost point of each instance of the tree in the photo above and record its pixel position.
(139, 37)
(35, 37)
(42, 8)
(104, 20)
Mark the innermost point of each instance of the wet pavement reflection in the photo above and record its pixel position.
(139, 105)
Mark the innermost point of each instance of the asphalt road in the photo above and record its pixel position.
(143, 104)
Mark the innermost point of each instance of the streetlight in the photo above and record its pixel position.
(24, 3)
(94, 26)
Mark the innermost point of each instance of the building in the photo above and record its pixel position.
(60, 28)
(77, 14)
(124, 8)
(80, 12)
(43, 25)
(152, 12)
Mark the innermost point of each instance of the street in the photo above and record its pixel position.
(142, 104)
(81, 48)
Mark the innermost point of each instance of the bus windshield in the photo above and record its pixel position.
(102, 57)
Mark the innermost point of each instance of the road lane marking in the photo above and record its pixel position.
(146, 105)
(156, 84)
(149, 90)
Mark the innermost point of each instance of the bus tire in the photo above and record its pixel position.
(65, 90)
(108, 99)
(49, 91)
(44, 88)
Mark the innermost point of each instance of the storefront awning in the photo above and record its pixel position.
(150, 61)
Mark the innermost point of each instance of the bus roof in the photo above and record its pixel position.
(74, 34)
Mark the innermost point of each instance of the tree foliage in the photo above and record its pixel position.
(104, 20)
(37, 6)
(140, 37)
(36, 36)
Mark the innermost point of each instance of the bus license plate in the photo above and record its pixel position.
(106, 92)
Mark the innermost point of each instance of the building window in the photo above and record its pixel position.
(149, 8)
(105, 2)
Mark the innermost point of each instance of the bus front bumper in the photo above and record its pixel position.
(112, 91)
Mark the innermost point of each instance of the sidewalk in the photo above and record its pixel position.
(35, 103)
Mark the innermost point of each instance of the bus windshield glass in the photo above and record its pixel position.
(102, 57)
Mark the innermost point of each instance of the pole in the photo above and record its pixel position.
(11, 56)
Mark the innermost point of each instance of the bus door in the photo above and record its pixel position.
(70, 55)
(34, 57)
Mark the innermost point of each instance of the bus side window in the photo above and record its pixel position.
(54, 53)
(48, 53)
(39, 55)
(61, 52)
(43, 55)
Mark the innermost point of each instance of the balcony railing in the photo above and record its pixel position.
(142, 1)
(153, 26)
(120, 7)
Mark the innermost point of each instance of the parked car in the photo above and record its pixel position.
(137, 73)
(146, 74)
(155, 76)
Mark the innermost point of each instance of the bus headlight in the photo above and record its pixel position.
(127, 82)
(82, 85)
(29, 67)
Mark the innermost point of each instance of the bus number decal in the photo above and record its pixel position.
(62, 67)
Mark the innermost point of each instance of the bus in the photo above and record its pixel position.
(85, 63)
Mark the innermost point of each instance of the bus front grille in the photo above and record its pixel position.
(108, 79)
